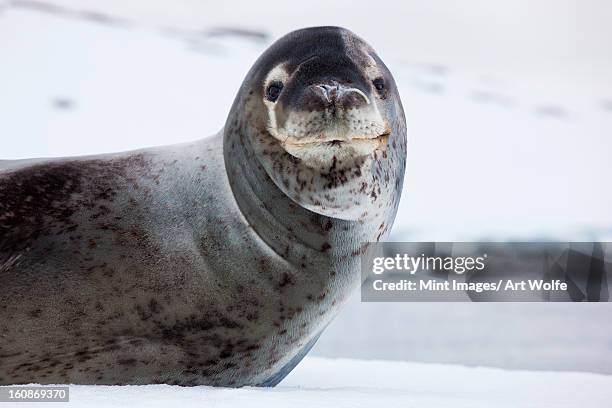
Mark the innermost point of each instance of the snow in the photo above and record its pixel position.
(321, 382)
(509, 129)
(509, 109)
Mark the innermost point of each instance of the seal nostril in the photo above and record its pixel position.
(329, 92)
(346, 97)
(358, 92)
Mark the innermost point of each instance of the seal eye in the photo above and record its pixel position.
(274, 90)
(379, 84)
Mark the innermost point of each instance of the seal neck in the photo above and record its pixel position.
(289, 229)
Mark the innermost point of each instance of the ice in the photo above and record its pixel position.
(336, 383)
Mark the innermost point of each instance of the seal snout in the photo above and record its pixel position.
(327, 110)
(332, 94)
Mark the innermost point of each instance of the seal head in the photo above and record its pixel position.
(322, 115)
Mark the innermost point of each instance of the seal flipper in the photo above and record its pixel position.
(287, 368)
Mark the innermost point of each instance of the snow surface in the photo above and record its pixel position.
(509, 104)
(509, 108)
(319, 382)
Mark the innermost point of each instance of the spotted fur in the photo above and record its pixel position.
(217, 262)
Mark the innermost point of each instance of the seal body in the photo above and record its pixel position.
(217, 262)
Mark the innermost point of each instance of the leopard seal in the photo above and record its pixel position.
(217, 262)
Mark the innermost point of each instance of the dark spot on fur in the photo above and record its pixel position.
(40, 200)
(286, 279)
(154, 306)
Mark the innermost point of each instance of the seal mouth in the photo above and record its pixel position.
(322, 152)
(370, 140)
